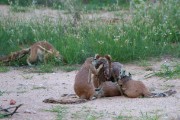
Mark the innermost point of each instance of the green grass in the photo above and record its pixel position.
(151, 32)
(91, 6)
(86, 113)
(46, 68)
(20, 5)
(83, 114)
(49, 67)
(143, 63)
(121, 117)
(3, 69)
(169, 72)
(146, 116)
(2, 116)
(4, 2)
(1, 93)
(108, 5)
(15, 8)
(60, 110)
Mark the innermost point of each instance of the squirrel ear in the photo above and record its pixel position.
(97, 56)
(108, 57)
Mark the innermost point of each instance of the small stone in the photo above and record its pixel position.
(12, 102)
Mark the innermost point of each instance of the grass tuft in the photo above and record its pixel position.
(19, 9)
(121, 117)
(45, 68)
(3, 69)
(169, 72)
(1, 93)
(60, 110)
(146, 116)
(2, 116)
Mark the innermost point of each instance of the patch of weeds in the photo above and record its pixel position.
(169, 72)
(86, 114)
(143, 63)
(4, 2)
(60, 110)
(45, 68)
(16, 8)
(121, 117)
(69, 68)
(91, 117)
(2, 116)
(3, 69)
(108, 5)
(146, 116)
(1, 93)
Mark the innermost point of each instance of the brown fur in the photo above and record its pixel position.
(104, 87)
(105, 73)
(82, 87)
(14, 56)
(133, 89)
(39, 51)
(109, 89)
(85, 89)
(42, 51)
(116, 69)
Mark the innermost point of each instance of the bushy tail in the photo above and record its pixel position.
(163, 94)
(15, 55)
(65, 101)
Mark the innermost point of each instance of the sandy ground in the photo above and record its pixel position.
(30, 89)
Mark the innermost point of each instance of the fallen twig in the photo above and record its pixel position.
(149, 75)
(7, 110)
